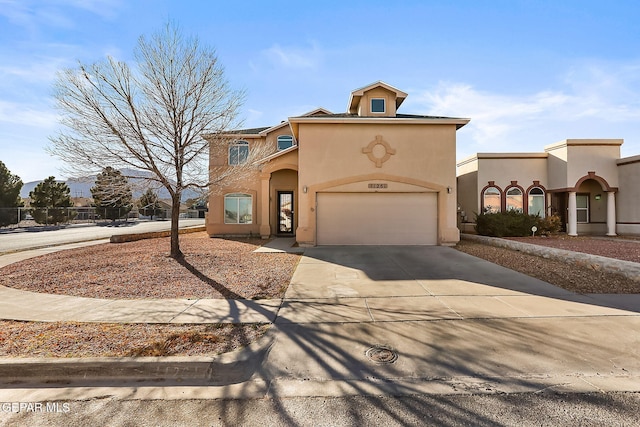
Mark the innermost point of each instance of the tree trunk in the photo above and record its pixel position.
(176, 253)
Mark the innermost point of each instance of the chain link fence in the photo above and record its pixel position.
(22, 217)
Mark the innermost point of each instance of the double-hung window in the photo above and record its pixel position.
(582, 208)
(238, 152)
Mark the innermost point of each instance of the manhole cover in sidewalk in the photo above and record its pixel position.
(381, 354)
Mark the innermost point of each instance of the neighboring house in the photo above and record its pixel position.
(584, 181)
(367, 176)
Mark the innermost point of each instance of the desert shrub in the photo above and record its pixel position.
(549, 225)
(515, 224)
(505, 224)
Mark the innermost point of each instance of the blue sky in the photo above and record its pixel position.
(527, 73)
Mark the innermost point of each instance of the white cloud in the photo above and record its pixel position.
(294, 57)
(22, 114)
(33, 14)
(596, 101)
(107, 9)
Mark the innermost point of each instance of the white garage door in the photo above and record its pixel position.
(377, 219)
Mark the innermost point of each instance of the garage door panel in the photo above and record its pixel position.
(377, 219)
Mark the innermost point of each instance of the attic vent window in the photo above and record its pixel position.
(377, 105)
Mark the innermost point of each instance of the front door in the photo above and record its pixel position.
(285, 212)
(560, 202)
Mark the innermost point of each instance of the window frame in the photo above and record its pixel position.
(235, 146)
(586, 197)
(237, 197)
(507, 206)
(384, 105)
(282, 137)
(542, 195)
(498, 208)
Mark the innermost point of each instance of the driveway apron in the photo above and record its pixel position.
(405, 319)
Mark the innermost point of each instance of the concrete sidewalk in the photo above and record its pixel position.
(338, 285)
(31, 306)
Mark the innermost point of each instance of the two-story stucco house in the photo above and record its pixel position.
(370, 175)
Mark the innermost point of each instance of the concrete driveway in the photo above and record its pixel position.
(428, 319)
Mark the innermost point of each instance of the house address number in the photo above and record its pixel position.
(378, 185)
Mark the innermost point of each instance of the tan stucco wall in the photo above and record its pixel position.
(504, 169)
(390, 102)
(331, 158)
(475, 173)
(557, 165)
(467, 190)
(628, 196)
(249, 184)
(252, 183)
(589, 156)
(572, 159)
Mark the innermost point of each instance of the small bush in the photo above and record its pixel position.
(549, 225)
(506, 224)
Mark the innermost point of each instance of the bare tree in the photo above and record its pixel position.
(150, 117)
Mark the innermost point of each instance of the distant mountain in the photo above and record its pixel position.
(81, 187)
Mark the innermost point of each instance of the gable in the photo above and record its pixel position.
(376, 100)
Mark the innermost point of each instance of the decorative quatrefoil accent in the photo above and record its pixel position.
(379, 151)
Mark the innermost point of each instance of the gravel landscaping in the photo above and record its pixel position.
(626, 248)
(571, 277)
(212, 268)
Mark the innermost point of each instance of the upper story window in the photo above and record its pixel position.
(514, 199)
(536, 202)
(284, 142)
(377, 105)
(238, 152)
(491, 200)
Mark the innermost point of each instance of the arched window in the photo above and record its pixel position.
(238, 208)
(514, 200)
(491, 200)
(536, 202)
(284, 142)
(238, 152)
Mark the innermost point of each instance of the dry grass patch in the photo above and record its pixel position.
(70, 339)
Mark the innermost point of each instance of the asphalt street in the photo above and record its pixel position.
(529, 409)
(22, 239)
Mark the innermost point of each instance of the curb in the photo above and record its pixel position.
(628, 269)
(54, 245)
(223, 369)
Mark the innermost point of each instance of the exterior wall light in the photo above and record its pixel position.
(598, 197)
(449, 190)
(304, 189)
